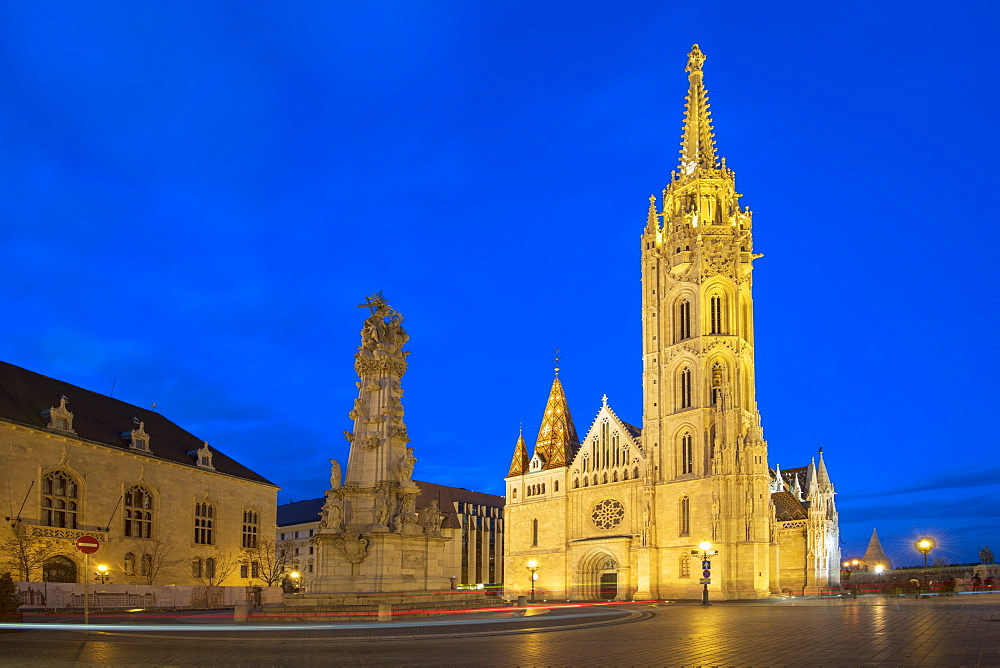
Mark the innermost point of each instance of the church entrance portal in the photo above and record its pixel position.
(599, 577)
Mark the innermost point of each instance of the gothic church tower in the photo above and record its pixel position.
(700, 412)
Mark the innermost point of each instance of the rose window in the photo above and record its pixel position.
(608, 514)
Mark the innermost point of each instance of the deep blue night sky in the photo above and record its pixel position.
(195, 196)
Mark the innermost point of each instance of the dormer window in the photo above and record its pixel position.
(137, 439)
(202, 456)
(536, 463)
(60, 418)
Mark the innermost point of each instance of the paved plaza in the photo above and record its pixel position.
(876, 631)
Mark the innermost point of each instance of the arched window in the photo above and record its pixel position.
(534, 532)
(684, 320)
(625, 474)
(59, 500)
(196, 567)
(684, 569)
(59, 569)
(249, 528)
(635, 472)
(715, 388)
(685, 516)
(138, 503)
(204, 524)
(687, 453)
(513, 493)
(210, 567)
(129, 565)
(595, 479)
(543, 488)
(716, 314)
(614, 477)
(576, 483)
(586, 481)
(685, 387)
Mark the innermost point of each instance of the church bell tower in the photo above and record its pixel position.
(700, 418)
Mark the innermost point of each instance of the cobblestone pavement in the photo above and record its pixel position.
(956, 631)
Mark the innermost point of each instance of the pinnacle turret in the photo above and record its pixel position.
(874, 555)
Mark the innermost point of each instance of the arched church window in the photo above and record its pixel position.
(685, 516)
(605, 479)
(129, 565)
(687, 453)
(576, 483)
(685, 387)
(59, 500)
(534, 532)
(596, 481)
(716, 324)
(625, 474)
(683, 320)
(586, 481)
(635, 472)
(684, 569)
(614, 477)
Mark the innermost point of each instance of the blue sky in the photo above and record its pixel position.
(195, 196)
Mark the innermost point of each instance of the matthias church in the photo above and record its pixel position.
(688, 500)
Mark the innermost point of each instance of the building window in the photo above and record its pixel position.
(687, 453)
(210, 567)
(685, 566)
(716, 323)
(204, 524)
(146, 565)
(684, 320)
(59, 500)
(685, 523)
(129, 565)
(250, 528)
(685, 387)
(138, 503)
(196, 567)
(534, 533)
(556, 489)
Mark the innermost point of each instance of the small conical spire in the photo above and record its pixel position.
(697, 140)
(874, 555)
(778, 485)
(810, 477)
(519, 463)
(652, 222)
(822, 477)
(557, 441)
(796, 490)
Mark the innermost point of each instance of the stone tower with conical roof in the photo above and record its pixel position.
(874, 555)
(622, 515)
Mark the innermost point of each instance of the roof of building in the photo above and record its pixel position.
(787, 507)
(303, 512)
(24, 395)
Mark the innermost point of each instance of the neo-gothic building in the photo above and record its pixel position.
(621, 513)
(166, 507)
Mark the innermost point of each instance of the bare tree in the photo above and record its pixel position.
(214, 570)
(149, 557)
(25, 552)
(266, 561)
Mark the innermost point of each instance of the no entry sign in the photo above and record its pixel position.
(88, 544)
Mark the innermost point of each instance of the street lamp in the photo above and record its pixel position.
(295, 580)
(706, 564)
(924, 545)
(533, 567)
(102, 574)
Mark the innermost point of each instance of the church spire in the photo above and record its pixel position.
(557, 441)
(519, 463)
(697, 140)
(874, 555)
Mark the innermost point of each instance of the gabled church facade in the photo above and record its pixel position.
(621, 514)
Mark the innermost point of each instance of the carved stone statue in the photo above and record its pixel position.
(332, 514)
(383, 506)
(335, 475)
(432, 519)
(406, 464)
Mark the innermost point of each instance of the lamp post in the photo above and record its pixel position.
(533, 568)
(924, 545)
(295, 580)
(102, 574)
(706, 564)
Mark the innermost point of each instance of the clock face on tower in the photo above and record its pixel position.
(608, 514)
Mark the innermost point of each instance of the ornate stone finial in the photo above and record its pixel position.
(696, 59)
(604, 400)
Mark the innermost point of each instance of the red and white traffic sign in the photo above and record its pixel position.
(706, 573)
(88, 544)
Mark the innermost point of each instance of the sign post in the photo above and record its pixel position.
(88, 545)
